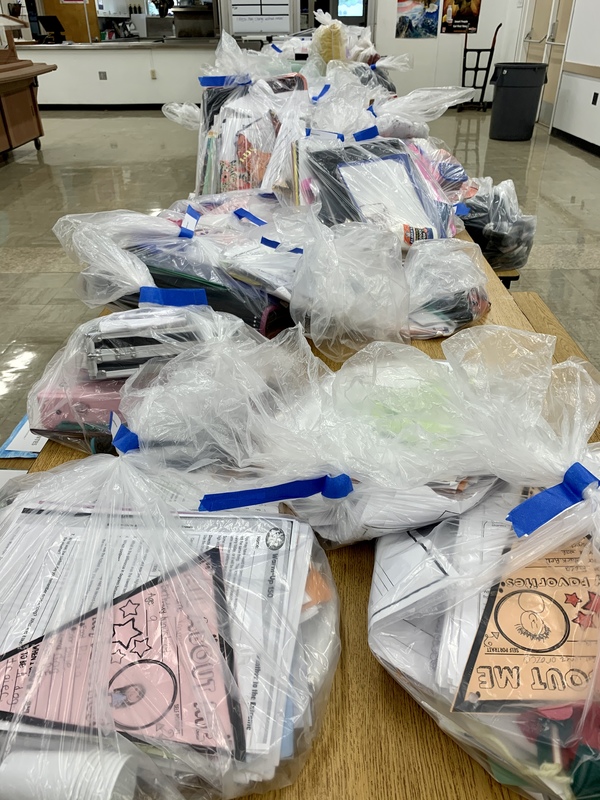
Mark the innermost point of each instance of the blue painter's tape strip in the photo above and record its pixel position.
(333, 488)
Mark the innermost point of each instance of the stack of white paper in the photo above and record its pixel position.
(413, 568)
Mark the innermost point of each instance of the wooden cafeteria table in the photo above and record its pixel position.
(376, 743)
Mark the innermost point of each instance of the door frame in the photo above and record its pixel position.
(549, 43)
(562, 65)
(525, 29)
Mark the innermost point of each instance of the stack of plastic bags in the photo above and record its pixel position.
(272, 265)
(123, 251)
(170, 624)
(418, 442)
(425, 440)
(236, 416)
(345, 290)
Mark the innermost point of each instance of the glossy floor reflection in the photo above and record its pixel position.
(90, 161)
(94, 161)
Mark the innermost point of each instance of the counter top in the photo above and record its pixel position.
(24, 71)
(143, 44)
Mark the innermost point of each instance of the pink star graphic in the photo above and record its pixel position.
(117, 656)
(129, 609)
(123, 633)
(141, 646)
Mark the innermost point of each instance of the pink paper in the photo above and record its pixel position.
(167, 678)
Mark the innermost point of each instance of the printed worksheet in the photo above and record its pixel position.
(264, 567)
(538, 639)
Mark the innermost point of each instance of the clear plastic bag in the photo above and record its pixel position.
(272, 268)
(246, 139)
(374, 76)
(343, 109)
(445, 169)
(406, 117)
(188, 115)
(372, 180)
(339, 108)
(395, 126)
(499, 406)
(217, 91)
(109, 272)
(241, 131)
(232, 60)
(234, 409)
(350, 289)
(391, 417)
(74, 400)
(496, 637)
(289, 46)
(498, 225)
(372, 511)
(418, 443)
(398, 419)
(262, 240)
(360, 44)
(124, 250)
(217, 211)
(152, 650)
(446, 284)
(424, 105)
(330, 39)
(536, 416)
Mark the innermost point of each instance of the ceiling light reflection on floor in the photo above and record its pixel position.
(13, 368)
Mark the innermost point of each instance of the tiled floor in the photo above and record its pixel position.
(90, 161)
(140, 161)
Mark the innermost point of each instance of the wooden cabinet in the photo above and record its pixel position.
(19, 113)
(20, 120)
(4, 141)
(20, 117)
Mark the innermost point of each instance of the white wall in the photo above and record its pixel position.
(575, 113)
(583, 45)
(128, 74)
(438, 62)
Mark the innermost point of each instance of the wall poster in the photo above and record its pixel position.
(460, 17)
(417, 20)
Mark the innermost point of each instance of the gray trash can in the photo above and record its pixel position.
(518, 88)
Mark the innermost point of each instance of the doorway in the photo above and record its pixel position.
(545, 43)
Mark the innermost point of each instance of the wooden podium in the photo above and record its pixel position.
(19, 114)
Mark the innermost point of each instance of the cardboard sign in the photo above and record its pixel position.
(538, 637)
